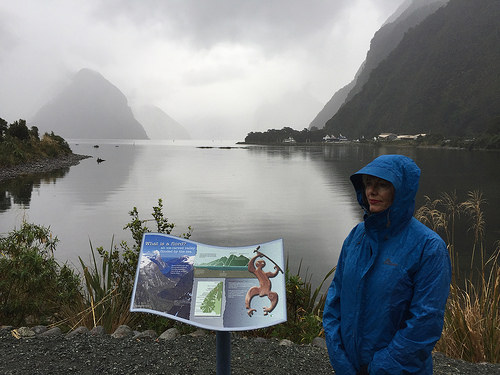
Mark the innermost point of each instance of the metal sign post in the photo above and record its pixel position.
(216, 288)
(223, 346)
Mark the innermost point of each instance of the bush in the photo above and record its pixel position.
(19, 145)
(109, 286)
(19, 130)
(32, 283)
(53, 145)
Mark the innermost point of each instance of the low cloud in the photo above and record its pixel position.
(211, 65)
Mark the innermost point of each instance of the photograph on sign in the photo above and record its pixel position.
(218, 288)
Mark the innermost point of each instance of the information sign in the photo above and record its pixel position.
(216, 288)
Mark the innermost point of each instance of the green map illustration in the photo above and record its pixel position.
(212, 302)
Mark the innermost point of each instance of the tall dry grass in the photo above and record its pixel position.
(472, 319)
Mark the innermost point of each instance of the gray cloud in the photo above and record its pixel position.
(7, 38)
(272, 24)
(220, 66)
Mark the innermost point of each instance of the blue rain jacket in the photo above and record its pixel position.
(385, 306)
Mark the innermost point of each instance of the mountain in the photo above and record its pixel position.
(442, 78)
(158, 124)
(152, 277)
(383, 42)
(89, 107)
(332, 106)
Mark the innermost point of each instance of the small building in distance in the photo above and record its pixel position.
(331, 138)
(408, 137)
(387, 137)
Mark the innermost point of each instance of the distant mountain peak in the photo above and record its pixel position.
(89, 107)
(158, 124)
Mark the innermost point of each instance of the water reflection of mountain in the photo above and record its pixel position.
(95, 182)
(18, 191)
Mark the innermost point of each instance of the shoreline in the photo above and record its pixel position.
(41, 166)
(374, 144)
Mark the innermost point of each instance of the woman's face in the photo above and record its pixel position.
(379, 193)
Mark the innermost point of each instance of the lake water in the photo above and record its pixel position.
(230, 195)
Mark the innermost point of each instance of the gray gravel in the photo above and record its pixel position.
(84, 353)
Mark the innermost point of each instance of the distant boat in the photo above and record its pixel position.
(289, 140)
(99, 160)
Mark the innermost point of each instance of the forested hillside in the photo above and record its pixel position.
(441, 79)
(384, 41)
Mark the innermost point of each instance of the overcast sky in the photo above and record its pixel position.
(221, 68)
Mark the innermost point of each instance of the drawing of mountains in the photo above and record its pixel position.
(231, 261)
(158, 124)
(157, 289)
(151, 277)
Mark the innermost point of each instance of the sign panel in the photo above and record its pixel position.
(216, 288)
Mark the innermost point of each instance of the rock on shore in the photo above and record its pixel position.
(41, 165)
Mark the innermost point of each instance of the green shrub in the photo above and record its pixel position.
(19, 145)
(32, 283)
(109, 281)
(19, 130)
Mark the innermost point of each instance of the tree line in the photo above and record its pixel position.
(20, 144)
(278, 136)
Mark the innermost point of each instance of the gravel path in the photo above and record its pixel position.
(40, 166)
(85, 353)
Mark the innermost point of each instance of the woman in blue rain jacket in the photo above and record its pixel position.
(384, 310)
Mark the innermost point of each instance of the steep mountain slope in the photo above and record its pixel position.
(333, 105)
(158, 124)
(384, 41)
(390, 35)
(89, 107)
(441, 78)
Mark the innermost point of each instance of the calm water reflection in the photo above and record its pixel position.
(231, 197)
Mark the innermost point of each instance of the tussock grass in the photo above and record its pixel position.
(472, 319)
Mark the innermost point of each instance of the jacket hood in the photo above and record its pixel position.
(404, 175)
